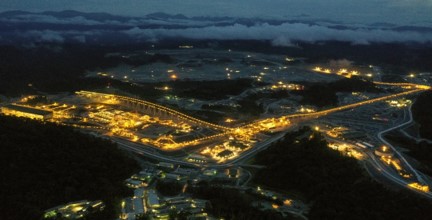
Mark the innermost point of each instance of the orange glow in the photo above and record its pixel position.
(288, 202)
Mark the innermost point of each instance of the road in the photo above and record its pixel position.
(139, 149)
(383, 170)
(152, 153)
(261, 146)
(400, 156)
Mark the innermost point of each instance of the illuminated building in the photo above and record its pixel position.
(74, 210)
(134, 183)
(153, 199)
(27, 112)
(196, 158)
(418, 186)
(210, 172)
(384, 151)
(166, 165)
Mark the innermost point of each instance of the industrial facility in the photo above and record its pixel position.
(27, 112)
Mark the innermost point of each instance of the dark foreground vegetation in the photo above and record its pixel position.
(44, 165)
(335, 185)
(231, 204)
(324, 94)
(422, 114)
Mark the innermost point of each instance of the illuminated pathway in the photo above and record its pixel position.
(409, 85)
(157, 107)
(340, 108)
(380, 136)
(251, 129)
(354, 105)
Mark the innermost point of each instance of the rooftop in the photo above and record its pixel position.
(27, 109)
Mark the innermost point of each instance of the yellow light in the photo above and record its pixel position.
(288, 202)
(173, 76)
(229, 120)
(418, 186)
(343, 70)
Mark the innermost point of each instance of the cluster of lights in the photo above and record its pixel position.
(386, 155)
(226, 151)
(125, 123)
(230, 71)
(341, 72)
(400, 103)
(418, 186)
(347, 150)
(286, 86)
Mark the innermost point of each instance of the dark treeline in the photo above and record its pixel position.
(249, 104)
(45, 165)
(58, 68)
(169, 187)
(231, 204)
(210, 90)
(206, 90)
(335, 185)
(422, 114)
(62, 68)
(324, 94)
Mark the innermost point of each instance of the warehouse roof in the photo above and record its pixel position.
(27, 109)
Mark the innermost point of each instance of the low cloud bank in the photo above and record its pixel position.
(284, 34)
(153, 29)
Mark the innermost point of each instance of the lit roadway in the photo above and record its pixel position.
(137, 148)
(383, 169)
(394, 178)
(249, 127)
(158, 107)
(380, 136)
(152, 153)
(140, 150)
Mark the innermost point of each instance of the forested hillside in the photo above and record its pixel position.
(44, 165)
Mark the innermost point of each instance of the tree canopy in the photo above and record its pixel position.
(45, 165)
(336, 186)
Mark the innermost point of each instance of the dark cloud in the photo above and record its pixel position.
(82, 27)
(284, 34)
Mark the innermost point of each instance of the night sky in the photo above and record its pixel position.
(364, 11)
